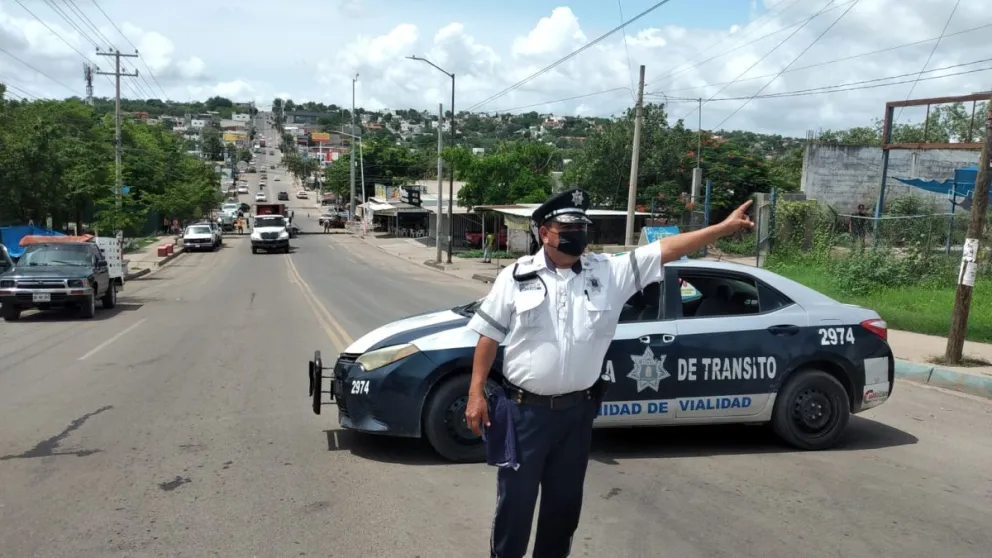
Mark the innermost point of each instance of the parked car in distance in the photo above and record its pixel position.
(283, 196)
(261, 197)
(302, 195)
(199, 237)
(242, 189)
(276, 179)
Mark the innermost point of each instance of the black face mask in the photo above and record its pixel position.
(572, 243)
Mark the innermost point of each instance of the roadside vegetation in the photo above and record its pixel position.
(901, 271)
(57, 166)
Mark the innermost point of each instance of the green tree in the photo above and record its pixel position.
(516, 172)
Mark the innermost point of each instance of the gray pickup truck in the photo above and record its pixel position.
(58, 275)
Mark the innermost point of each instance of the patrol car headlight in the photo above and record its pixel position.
(387, 355)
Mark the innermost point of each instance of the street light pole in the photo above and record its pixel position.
(451, 164)
(351, 203)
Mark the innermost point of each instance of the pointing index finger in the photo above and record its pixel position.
(744, 206)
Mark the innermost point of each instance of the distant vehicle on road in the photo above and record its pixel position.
(713, 343)
(270, 233)
(336, 219)
(261, 197)
(283, 196)
(242, 189)
(69, 272)
(302, 195)
(199, 237)
(276, 179)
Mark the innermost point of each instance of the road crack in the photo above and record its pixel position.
(47, 447)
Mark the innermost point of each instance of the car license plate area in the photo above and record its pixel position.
(41, 297)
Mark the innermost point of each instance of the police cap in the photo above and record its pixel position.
(566, 207)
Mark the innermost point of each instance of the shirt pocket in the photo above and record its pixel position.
(531, 316)
(596, 318)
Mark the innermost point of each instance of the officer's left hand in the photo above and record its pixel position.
(738, 220)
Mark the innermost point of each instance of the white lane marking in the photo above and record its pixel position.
(106, 343)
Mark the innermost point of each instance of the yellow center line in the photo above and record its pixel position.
(334, 330)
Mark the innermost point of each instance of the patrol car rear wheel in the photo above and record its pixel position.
(811, 411)
(444, 423)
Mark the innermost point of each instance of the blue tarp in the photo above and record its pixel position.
(11, 237)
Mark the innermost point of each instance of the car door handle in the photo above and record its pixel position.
(784, 329)
(666, 338)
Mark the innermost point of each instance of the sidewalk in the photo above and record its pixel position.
(913, 350)
(141, 262)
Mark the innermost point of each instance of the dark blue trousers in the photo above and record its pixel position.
(553, 451)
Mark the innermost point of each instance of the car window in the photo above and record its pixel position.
(713, 295)
(644, 306)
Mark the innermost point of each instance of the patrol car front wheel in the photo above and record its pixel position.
(811, 411)
(444, 423)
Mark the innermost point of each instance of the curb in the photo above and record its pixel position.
(484, 278)
(137, 275)
(972, 384)
(171, 256)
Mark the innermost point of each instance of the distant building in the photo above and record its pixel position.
(303, 117)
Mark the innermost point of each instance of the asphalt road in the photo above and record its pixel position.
(178, 425)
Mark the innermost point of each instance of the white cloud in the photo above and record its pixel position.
(248, 51)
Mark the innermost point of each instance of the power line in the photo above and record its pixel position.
(36, 69)
(800, 55)
(594, 94)
(835, 60)
(91, 26)
(760, 60)
(569, 56)
(22, 92)
(88, 23)
(930, 57)
(145, 62)
(858, 85)
(84, 34)
(682, 69)
(53, 32)
(626, 49)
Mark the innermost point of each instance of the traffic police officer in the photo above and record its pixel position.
(555, 312)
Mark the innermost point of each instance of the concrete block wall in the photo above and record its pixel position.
(844, 176)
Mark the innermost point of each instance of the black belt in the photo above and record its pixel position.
(555, 402)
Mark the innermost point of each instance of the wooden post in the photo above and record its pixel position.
(969, 255)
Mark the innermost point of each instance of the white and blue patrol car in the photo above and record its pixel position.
(729, 344)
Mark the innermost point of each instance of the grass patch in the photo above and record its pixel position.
(968, 362)
(502, 255)
(922, 308)
(132, 245)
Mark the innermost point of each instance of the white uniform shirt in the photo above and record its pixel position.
(557, 327)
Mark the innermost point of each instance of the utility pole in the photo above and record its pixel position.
(634, 160)
(697, 173)
(440, 178)
(451, 180)
(352, 150)
(119, 182)
(969, 255)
